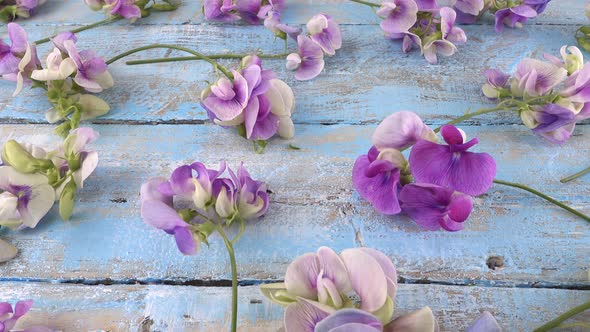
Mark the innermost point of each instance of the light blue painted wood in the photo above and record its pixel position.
(168, 308)
(367, 80)
(313, 204)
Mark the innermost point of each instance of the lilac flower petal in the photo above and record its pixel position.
(259, 122)
(467, 172)
(425, 5)
(485, 323)
(302, 317)
(301, 276)
(181, 180)
(401, 130)
(551, 117)
(425, 203)
(381, 190)
(161, 216)
(349, 320)
(367, 278)
(387, 267)
(496, 77)
(312, 59)
(5, 308)
(399, 15)
(328, 35)
(559, 135)
(151, 191)
(333, 268)
(524, 11)
(185, 241)
(248, 10)
(471, 7)
(18, 37)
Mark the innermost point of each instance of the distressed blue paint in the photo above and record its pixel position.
(366, 81)
(313, 205)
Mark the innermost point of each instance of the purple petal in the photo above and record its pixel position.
(467, 172)
(485, 323)
(150, 191)
(161, 216)
(333, 268)
(496, 77)
(451, 134)
(185, 241)
(312, 59)
(349, 320)
(18, 37)
(400, 15)
(559, 135)
(181, 180)
(260, 123)
(380, 190)
(5, 308)
(469, 7)
(551, 117)
(367, 278)
(524, 11)
(425, 203)
(425, 5)
(248, 10)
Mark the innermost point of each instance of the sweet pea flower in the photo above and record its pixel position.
(10, 55)
(220, 10)
(536, 78)
(57, 68)
(157, 210)
(514, 16)
(226, 100)
(485, 323)
(92, 73)
(272, 22)
(199, 187)
(24, 198)
(252, 198)
(401, 130)
(468, 10)
(282, 101)
(248, 10)
(325, 32)
(308, 61)
(577, 86)
(58, 41)
(9, 317)
(376, 176)
(398, 15)
(125, 8)
(497, 82)
(449, 35)
(73, 155)
(551, 121)
(432, 206)
(447, 26)
(452, 166)
(572, 62)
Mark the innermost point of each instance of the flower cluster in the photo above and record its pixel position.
(323, 37)
(353, 291)
(435, 186)
(196, 201)
(33, 179)
(131, 9)
(251, 11)
(253, 100)
(550, 96)
(69, 76)
(507, 12)
(12, 9)
(423, 23)
(9, 316)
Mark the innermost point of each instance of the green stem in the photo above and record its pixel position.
(575, 176)
(367, 3)
(543, 196)
(212, 56)
(570, 313)
(86, 27)
(467, 116)
(214, 63)
(234, 279)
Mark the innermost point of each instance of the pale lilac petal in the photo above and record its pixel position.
(559, 135)
(551, 117)
(312, 59)
(181, 180)
(471, 7)
(18, 37)
(418, 321)
(329, 38)
(333, 268)
(185, 241)
(302, 317)
(301, 276)
(353, 320)
(496, 77)
(401, 130)
(150, 191)
(161, 216)
(425, 5)
(367, 278)
(387, 267)
(485, 323)
(399, 15)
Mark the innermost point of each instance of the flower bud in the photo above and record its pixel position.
(20, 159)
(92, 106)
(251, 210)
(573, 61)
(528, 119)
(224, 205)
(490, 91)
(66, 200)
(293, 61)
(201, 196)
(395, 157)
(95, 4)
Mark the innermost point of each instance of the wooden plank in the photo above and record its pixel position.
(365, 82)
(185, 308)
(313, 205)
(59, 13)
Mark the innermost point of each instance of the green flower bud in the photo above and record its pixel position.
(63, 129)
(92, 107)
(66, 200)
(20, 159)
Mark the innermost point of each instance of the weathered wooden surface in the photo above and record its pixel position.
(156, 124)
(186, 308)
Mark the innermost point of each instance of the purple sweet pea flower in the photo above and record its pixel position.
(577, 86)
(304, 315)
(401, 130)
(496, 81)
(447, 26)
(125, 8)
(9, 317)
(157, 210)
(451, 165)
(226, 100)
(514, 16)
(485, 323)
(272, 22)
(24, 198)
(260, 122)
(468, 10)
(252, 200)
(552, 121)
(376, 176)
(536, 78)
(538, 5)
(92, 73)
(58, 41)
(220, 10)
(432, 206)
(398, 15)
(427, 5)
(10, 55)
(308, 61)
(325, 32)
(249, 10)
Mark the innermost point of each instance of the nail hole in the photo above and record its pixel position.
(495, 262)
